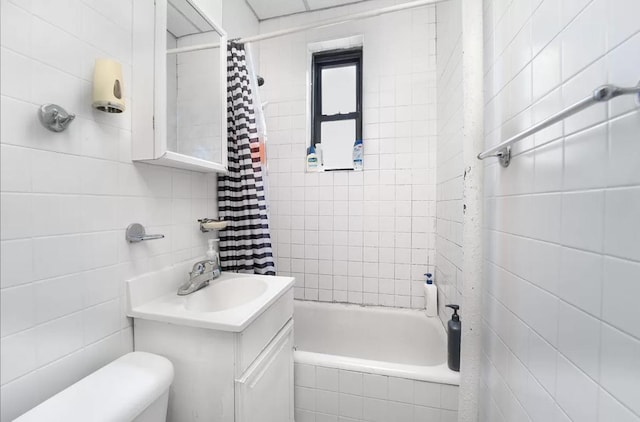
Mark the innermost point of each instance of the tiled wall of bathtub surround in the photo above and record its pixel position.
(67, 197)
(325, 394)
(361, 237)
(450, 166)
(561, 337)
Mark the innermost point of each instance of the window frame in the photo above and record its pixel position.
(330, 59)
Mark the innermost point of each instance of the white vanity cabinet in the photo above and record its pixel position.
(233, 365)
(263, 392)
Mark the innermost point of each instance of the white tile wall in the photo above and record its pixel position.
(67, 198)
(562, 256)
(362, 237)
(450, 167)
(329, 394)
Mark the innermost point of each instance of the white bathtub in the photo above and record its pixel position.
(371, 364)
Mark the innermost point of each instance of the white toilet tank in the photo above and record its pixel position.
(133, 388)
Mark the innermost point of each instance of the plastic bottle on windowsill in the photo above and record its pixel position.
(357, 154)
(312, 159)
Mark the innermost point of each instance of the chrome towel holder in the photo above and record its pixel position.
(601, 94)
(137, 233)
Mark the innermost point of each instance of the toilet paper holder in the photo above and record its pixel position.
(137, 233)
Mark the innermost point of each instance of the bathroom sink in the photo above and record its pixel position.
(229, 303)
(225, 294)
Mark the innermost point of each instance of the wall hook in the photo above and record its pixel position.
(54, 117)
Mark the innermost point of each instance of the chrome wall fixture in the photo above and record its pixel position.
(601, 94)
(54, 117)
(210, 224)
(137, 233)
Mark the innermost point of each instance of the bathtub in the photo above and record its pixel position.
(371, 364)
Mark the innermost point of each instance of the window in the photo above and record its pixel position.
(336, 106)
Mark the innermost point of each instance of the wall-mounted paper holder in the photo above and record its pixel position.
(137, 233)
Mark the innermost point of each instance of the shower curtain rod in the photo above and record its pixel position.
(322, 24)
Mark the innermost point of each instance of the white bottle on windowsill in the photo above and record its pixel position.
(430, 296)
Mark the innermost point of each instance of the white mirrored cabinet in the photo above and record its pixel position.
(179, 106)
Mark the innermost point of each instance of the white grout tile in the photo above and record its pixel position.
(622, 62)
(351, 382)
(16, 74)
(57, 297)
(375, 386)
(401, 389)
(538, 403)
(18, 309)
(376, 410)
(101, 321)
(16, 216)
(609, 409)
(585, 39)
(620, 22)
(15, 168)
(620, 366)
(305, 375)
(624, 151)
(17, 262)
(427, 394)
(543, 361)
(327, 378)
(58, 338)
(576, 393)
(581, 278)
(327, 402)
(305, 398)
(583, 157)
(18, 355)
(17, 396)
(449, 416)
(449, 396)
(579, 339)
(620, 223)
(579, 211)
(351, 406)
(619, 293)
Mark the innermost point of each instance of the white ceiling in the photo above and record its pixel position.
(266, 9)
(183, 19)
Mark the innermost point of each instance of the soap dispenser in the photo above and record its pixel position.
(212, 254)
(454, 332)
(430, 296)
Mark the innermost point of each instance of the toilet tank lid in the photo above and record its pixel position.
(119, 391)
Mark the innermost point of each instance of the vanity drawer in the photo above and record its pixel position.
(265, 391)
(255, 338)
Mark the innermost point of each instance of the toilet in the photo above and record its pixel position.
(133, 388)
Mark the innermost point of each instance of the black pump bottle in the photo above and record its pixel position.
(454, 331)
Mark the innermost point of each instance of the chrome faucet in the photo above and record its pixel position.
(202, 273)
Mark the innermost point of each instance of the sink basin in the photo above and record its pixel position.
(225, 294)
(230, 303)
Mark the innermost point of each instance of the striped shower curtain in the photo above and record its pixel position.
(245, 245)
